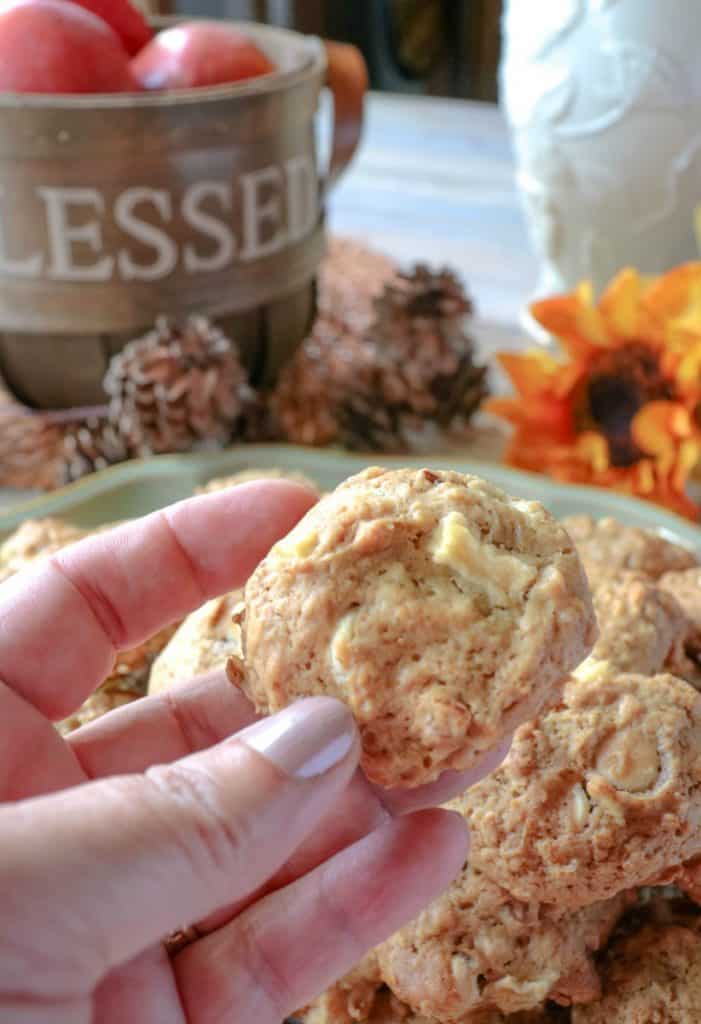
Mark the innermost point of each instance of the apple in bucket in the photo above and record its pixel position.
(128, 22)
(56, 46)
(199, 53)
(84, 46)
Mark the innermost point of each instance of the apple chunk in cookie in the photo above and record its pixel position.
(442, 611)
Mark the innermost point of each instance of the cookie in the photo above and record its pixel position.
(477, 948)
(33, 539)
(600, 794)
(247, 476)
(650, 977)
(685, 587)
(387, 1009)
(441, 610)
(355, 998)
(642, 628)
(109, 697)
(609, 543)
(203, 642)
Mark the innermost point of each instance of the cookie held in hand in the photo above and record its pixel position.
(442, 611)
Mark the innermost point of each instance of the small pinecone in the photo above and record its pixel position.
(30, 447)
(426, 359)
(370, 391)
(90, 446)
(351, 277)
(176, 387)
(313, 386)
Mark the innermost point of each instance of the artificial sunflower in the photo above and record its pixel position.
(620, 406)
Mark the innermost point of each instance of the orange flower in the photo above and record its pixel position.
(619, 408)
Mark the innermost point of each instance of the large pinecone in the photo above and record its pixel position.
(351, 277)
(412, 366)
(176, 387)
(425, 358)
(314, 385)
(30, 447)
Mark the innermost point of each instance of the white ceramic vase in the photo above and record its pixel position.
(604, 100)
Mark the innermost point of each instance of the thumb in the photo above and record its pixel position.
(93, 875)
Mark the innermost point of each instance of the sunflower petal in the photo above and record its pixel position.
(574, 320)
(674, 303)
(620, 302)
(593, 448)
(687, 461)
(651, 428)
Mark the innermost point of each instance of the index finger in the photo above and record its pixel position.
(62, 621)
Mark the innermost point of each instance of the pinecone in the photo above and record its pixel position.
(313, 386)
(30, 447)
(412, 366)
(176, 387)
(90, 446)
(350, 279)
(425, 356)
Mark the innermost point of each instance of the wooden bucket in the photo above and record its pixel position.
(116, 209)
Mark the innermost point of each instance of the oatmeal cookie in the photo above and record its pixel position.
(203, 642)
(33, 539)
(477, 948)
(652, 976)
(111, 695)
(247, 476)
(642, 628)
(685, 587)
(387, 1009)
(354, 998)
(609, 543)
(600, 794)
(441, 610)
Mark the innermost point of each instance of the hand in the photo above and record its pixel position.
(182, 808)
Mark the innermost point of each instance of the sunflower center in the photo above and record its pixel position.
(621, 382)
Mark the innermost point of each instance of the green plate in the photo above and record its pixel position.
(135, 488)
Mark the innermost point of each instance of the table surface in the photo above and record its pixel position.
(434, 181)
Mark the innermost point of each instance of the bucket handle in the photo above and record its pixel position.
(347, 80)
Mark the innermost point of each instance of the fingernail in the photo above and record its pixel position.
(306, 739)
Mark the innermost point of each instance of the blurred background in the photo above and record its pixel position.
(435, 47)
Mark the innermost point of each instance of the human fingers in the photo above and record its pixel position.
(363, 808)
(288, 947)
(201, 713)
(121, 586)
(126, 860)
(163, 728)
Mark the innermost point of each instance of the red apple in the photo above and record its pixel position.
(53, 46)
(128, 22)
(199, 53)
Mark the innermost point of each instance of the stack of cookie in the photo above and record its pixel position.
(564, 912)
(448, 615)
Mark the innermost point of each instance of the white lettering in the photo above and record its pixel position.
(256, 213)
(209, 226)
(302, 197)
(63, 236)
(165, 248)
(29, 267)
